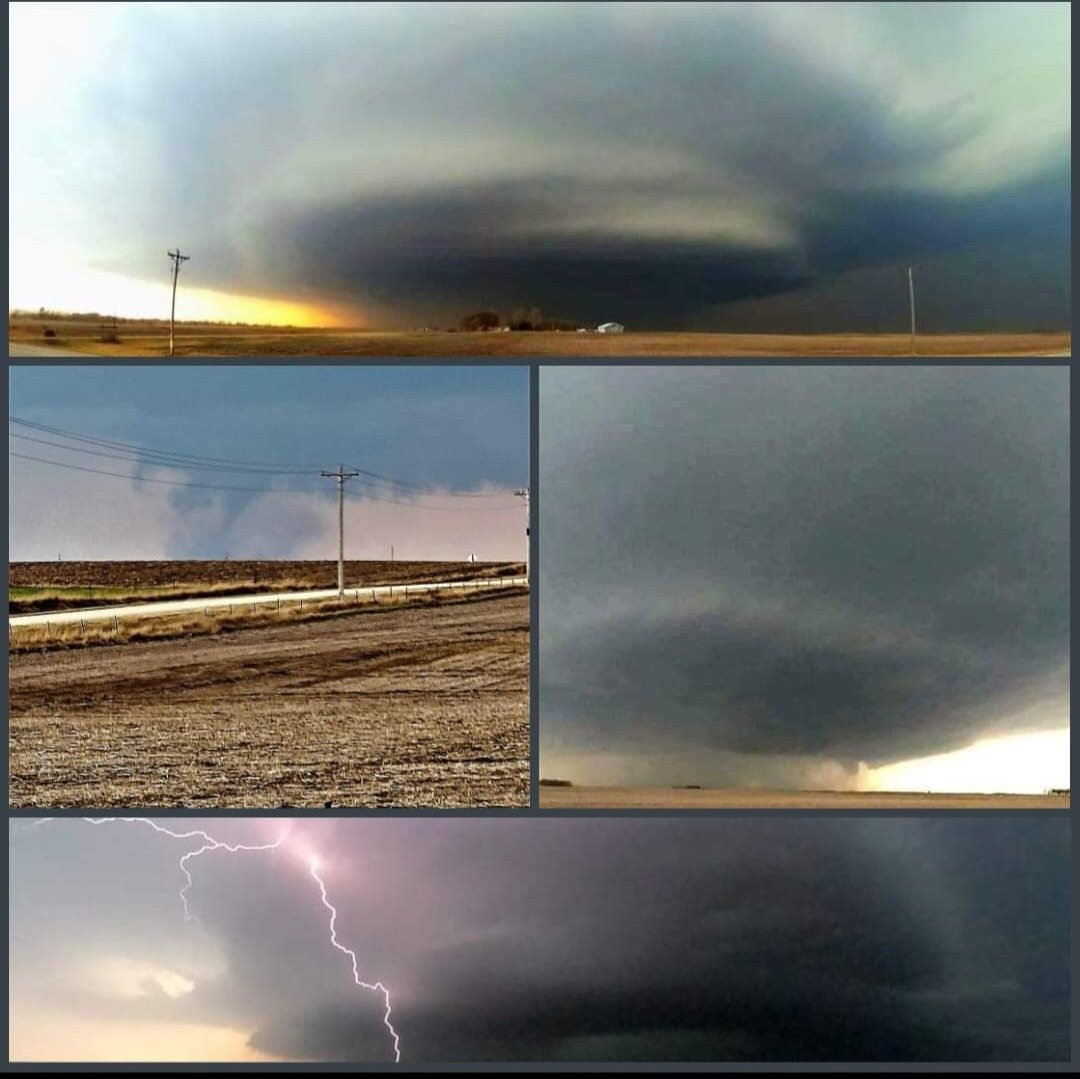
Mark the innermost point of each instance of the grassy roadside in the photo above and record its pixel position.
(37, 596)
(32, 599)
(45, 639)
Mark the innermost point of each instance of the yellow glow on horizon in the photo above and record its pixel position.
(82, 290)
(44, 1035)
(1014, 764)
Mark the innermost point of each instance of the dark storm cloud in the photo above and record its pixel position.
(854, 563)
(477, 245)
(446, 429)
(659, 160)
(717, 939)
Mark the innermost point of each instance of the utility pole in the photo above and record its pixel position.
(911, 302)
(177, 258)
(341, 476)
(524, 493)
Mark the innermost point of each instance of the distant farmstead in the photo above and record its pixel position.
(610, 327)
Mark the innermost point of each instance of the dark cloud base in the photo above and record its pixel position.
(858, 563)
(450, 253)
(748, 941)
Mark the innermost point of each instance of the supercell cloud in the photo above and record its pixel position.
(744, 567)
(448, 434)
(727, 166)
(714, 939)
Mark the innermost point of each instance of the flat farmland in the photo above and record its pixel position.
(44, 586)
(405, 706)
(574, 797)
(151, 339)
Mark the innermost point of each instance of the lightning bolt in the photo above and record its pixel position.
(209, 843)
(376, 987)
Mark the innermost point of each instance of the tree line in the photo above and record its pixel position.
(524, 318)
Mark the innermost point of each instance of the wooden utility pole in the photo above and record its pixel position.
(341, 476)
(177, 258)
(911, 302)
(524, 493)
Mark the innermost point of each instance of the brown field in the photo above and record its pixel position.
(151, 339)
(394, 706)
(573, 797)
(54, 586)
(215, 620)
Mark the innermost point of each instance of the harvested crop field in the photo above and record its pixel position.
(84, 337)
(42, 586)
(573, 797)
(414, 706)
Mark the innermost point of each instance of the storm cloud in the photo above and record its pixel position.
(444, 434)
(663, 164)
(742, 565)
(707, 939)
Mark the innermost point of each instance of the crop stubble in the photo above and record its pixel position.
(405, 707)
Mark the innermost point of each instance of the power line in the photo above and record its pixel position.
(255, 490)
(225, 464)
(162, 461)
(96, 440)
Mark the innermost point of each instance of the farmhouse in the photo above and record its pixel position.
(610, 327)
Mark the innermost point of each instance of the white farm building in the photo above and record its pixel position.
(610, 327)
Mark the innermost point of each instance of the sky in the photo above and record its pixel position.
(848, 578)
(546, 939)
(743, 167)
(454, 439)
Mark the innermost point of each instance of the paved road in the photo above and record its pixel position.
(20, 348)
(238, 603)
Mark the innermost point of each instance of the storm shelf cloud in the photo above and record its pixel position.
(701, 166)
(557, 939)
(781, 575)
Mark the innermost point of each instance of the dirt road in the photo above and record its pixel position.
(393, 707)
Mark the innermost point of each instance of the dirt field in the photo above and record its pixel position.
(148, 339)
(552, 797)
(423, 706)
(49, 586)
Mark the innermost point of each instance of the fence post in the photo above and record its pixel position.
(116, 623)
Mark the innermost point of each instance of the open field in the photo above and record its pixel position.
(56, 586)
(198, 621)
(151, 339)
(420, 705)
(573, 797)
